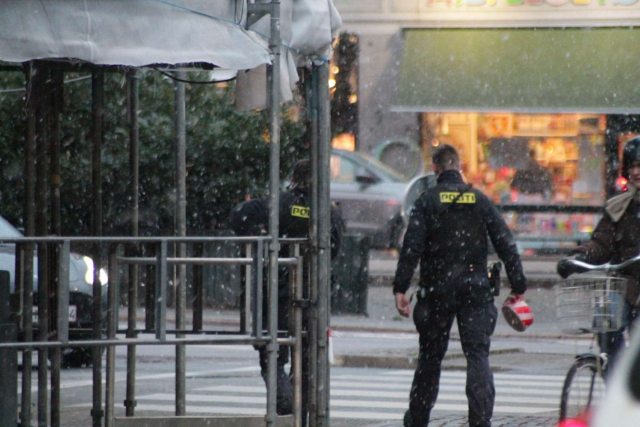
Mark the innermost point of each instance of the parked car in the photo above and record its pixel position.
(371, 197)
(81, 271)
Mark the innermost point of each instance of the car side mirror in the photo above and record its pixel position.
(366, 179)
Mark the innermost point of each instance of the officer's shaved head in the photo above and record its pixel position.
(301, 173)
(446, 158)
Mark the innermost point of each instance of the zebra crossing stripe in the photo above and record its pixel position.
(367, 415)
(334, 403)
(454, 374)
(461, 380)
(347, 393)
(340, 392)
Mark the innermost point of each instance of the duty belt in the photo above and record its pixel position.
(459, 270)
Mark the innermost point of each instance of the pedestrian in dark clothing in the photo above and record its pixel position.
(447, 234)
(533, 179)
(251, 218)
(616, 239)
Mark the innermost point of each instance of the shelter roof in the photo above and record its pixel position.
(131, 33)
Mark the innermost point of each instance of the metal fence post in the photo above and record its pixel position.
(42, 230)
(181, 231)
(112, 327)
(324, 243)
(297, 333)
(258, 278)
(312, 340)
(245, 301)
(274, 203)
(161, 291)
(134, 160)
(29, 230)
(97, 112)
(63, 291)
(9, 358)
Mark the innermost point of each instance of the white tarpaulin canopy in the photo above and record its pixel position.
(132, 32)
(142, 32)
(308, 28)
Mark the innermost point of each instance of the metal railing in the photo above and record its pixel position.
(54, 326)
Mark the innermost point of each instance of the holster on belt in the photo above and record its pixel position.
(494, 277)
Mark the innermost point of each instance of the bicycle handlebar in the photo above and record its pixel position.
(605, 267)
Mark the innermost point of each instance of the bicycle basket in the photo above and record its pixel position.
(590, 304)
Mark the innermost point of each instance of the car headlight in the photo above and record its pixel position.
(88, 276)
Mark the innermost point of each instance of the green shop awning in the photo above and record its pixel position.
(528, 70)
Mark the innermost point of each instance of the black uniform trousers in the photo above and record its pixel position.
(284, 388)
(434, 317)
(284, 395)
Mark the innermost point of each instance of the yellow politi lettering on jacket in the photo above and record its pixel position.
(300, 211)
(448, 196)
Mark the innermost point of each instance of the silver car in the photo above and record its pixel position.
(81, 278)
(371, 197)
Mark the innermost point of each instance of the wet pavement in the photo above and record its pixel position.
(456, 421)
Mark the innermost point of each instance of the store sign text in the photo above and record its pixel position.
(530, 2)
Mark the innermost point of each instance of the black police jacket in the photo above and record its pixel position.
(251, 218)
(451, 243)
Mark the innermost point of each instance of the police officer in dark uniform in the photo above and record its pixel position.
(251, 218)
(447, 234)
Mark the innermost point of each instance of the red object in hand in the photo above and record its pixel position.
(517, 313)
(581, 421)
(572, 423)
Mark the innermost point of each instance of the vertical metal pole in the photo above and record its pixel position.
(42, 230)
(312, 340)
(62, 326)
(297, 349)
(274, 203)
(112, 327)
(63, 292)
(161, 291)
(150, 293)
(181, 231)
(97, 112)
(245, 311)
(324, 233)
(198, 289)
(258, 277)
(57, 84)
(29, 231)
(134, 183)
(56, 229)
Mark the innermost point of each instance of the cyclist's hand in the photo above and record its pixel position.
(566, 268)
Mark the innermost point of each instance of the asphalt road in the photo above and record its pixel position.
(226, 381)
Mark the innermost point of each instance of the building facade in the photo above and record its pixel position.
(508, 82)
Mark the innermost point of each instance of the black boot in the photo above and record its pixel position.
(407, 418)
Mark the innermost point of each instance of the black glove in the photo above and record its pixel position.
(566, 268)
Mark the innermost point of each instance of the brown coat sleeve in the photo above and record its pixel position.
(599, 249)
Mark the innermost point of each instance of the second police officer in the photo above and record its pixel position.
(251, 218)
(448, 234)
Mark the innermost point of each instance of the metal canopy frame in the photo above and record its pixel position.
(43, 108)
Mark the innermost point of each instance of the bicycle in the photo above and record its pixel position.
(593, 305)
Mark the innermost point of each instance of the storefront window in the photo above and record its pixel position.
(529, 159)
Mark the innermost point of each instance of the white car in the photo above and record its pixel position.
(621, 406)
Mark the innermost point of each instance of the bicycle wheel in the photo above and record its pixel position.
(582, 388)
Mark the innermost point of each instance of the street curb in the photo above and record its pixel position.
(377, 329)
(406, 362)
(454, 336)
